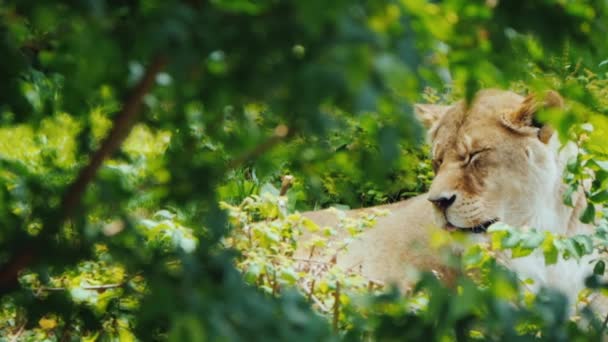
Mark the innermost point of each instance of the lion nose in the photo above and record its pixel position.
(443, 201)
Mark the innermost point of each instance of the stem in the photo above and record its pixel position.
(336, 306)
(275, 285)
(286, 182)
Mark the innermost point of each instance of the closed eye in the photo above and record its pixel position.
(475, 154)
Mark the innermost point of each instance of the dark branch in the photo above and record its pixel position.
(90, 287)
(123, 123)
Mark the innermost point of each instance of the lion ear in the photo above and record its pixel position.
(523, 120)
(429, 114)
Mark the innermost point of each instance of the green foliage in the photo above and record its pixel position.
(331, 170)
(130, 242)
(268, 258)
(488, 302)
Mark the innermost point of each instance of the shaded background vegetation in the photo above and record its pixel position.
(103, 238)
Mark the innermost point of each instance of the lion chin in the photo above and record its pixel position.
(480, 228)
(492, 162)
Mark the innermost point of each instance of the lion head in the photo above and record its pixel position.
(493, 161)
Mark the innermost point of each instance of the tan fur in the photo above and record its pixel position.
(499, 166)
(396, 245)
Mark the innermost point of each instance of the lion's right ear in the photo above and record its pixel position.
(523, 120)
(429, 114)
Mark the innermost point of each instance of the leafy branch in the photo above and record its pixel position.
(122, 125)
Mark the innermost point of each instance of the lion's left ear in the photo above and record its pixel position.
(429, 114)
(523, 120)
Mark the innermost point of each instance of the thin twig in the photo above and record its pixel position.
(280, 133)
(352, 268)
(312, 252)
(336, 306)
(15, 337)
(65, 336)
(312, 289)
(90, 287)
(376, 282)
(312, 261)
(347, 271)
(318, 301)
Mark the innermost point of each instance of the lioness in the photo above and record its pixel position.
(493, 162)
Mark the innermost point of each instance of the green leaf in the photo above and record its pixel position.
(532, 240)
(567, 196)
(602, 164)
(599, 268)
(599, 197)
(571, 248)
(473, 256)
(310, 225)
(497, 239)
(550, 251)
(572, 165)
(520, 251)
(588, 215)
(465, 302)
(498, 227)
(252, 273)
(585, 242)
(269, 188)
(511, 240)
(289, 276)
